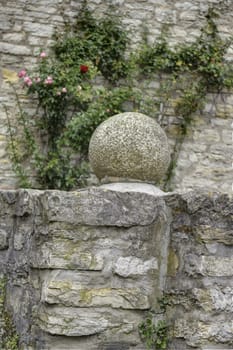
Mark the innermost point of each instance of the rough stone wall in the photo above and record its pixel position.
(83, 268)
(200, 269)
(27, 26)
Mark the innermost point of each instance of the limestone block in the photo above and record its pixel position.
(22, 235)
(5, 23)
(208, 136)
(214, 298)
(72, 322)
(14, 49)
(209, 233)
(227, 136)
(3, 239)
(198, 332)
(209, 265)
(38, 29)
(14, 37)
(132, 266)
(66, 254)
(102, 207)
(86, 321)
(129, 145)
(70, 293)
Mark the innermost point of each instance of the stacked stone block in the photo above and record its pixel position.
(84, 268)
(26, 27)
(200, 270)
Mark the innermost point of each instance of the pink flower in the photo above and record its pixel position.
(48, 80)
(22, 73)
(27, 81)
(37, 79)
(43, 54)
(64, 90)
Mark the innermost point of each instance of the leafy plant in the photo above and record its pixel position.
(104, 42)
(155, 335)
(204, 66)
(10, 338)
(70, 105)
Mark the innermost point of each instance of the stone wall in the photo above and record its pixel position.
(83, 268)
(199, 277)
(27, 26)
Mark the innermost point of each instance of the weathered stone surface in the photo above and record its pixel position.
(129, 145)
(14, 49)
(173, 263)
(200, 291)
(133, 187)
(209, 265)
(89, 288)
(102, 207)
(72, 322)
(131, 266)
(198, 332)
(27, 27)
(70, 293)
(78, 322)
(215, 299)
(69, 246)
(3, 239)
(209, 233)
(88, 343)
(65, 254)
(93, 284)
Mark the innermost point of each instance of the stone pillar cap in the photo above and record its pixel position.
(129, 146)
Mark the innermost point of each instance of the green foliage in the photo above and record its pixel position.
(163, 303)
(155, 335)
(204, 57)
(81, 127)
(104, 42)
(15, 154)
(204, 66)
(156, 58)
(10, 338)
(203, 60)
(70, 105)
(190, 101)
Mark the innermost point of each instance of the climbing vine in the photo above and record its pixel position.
(88, 77)
(70, 104)
(194, 70)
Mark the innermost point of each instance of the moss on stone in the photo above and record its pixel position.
(9, 338)
(173, 263)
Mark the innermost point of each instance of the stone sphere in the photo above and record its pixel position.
(131, 146)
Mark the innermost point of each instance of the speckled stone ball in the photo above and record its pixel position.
(129, 146)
